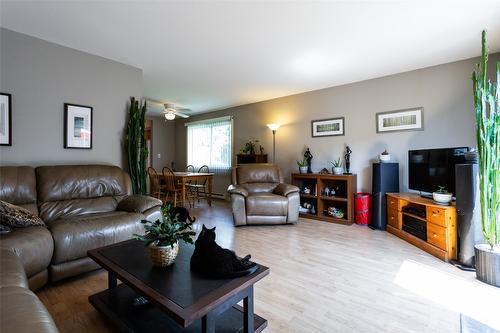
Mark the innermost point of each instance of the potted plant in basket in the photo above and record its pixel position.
(442, 195)
(162, 237)
(487, 109)
(302, 165)
(337, 167)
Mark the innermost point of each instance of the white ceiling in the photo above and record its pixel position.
(208, 55)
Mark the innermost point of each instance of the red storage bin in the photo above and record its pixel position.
(363, 208)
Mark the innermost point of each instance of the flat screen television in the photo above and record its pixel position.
(430, 168)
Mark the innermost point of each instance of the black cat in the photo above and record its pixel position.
(181, 213)
(211, 260)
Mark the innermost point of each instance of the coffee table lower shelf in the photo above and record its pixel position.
(116, 305)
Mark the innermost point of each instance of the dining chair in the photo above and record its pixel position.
(200, 188)
(171, 188)
(190, 168)
(156, 188)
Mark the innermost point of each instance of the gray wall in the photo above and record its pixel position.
(444, 91)
(163, 142)
(41, 77)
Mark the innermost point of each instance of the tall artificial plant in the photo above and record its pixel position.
(136, 146)
(486, 106)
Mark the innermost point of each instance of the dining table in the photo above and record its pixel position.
(184, 178)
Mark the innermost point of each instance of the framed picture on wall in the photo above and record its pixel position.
(77, 126)
(400, 120)
(327, 127)
(5, 119)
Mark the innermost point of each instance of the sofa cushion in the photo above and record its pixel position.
(18, 217)
(74, 236)
(138, 203)
(22, 311)
(18, 186)
(266, 204)
(11, 270)
(33, 245)
(70, 190)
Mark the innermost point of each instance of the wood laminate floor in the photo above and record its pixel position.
(324, 278)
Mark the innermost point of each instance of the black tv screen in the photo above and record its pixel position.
(430, 168)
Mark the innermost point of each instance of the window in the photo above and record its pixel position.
(209, 142)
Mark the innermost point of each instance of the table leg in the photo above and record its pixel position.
(208, 323)
(183, 194)
(248, 324)
(210, 184)
(112, 281)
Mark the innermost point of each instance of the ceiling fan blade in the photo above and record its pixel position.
(180, 114)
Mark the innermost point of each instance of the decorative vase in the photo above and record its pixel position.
(488, 264)
(337, 170)
(303, 169)
(163, 256)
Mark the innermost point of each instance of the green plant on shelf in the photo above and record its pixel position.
(442, 190)
(302, 163)
(337, 163)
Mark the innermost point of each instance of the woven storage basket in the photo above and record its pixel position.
(163, 256)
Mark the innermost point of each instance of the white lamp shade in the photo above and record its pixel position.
(170, 115)
(273, 127)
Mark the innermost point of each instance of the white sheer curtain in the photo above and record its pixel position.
(209, 142)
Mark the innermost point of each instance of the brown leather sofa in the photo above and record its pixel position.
(83, 206)
(259, 196)
(21, 310)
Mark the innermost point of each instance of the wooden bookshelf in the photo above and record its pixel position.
(344, 186)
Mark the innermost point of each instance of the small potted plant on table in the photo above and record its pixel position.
(302, 165)
(337, 167)
(442, 196)
(162, 237)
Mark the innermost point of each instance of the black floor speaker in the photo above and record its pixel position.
(468, 212)
(385, 179)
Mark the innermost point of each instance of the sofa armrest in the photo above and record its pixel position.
(138, 203)
(285, 189)
(235, 189)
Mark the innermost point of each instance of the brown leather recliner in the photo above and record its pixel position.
(259, 196)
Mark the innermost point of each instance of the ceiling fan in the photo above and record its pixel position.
(170, 111)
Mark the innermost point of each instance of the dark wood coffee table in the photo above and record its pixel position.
(179, 300)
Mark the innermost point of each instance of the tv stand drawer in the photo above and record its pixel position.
(436, 216)
(436, 235)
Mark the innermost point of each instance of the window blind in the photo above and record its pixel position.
(209, 143)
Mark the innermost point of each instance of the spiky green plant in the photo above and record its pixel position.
(486, 106)
(136, 146)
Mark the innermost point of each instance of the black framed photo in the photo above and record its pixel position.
(400, 120)
(5, 119)
(77, 126)
(328, 127)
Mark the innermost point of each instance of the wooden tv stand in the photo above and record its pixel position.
(440, 223)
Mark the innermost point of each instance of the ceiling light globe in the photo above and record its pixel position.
(170, 115)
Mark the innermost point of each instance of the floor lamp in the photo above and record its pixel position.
(274, 128)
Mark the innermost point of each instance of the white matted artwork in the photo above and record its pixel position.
(328, 127)
(77, 126)
(400, 120)
(5, 119)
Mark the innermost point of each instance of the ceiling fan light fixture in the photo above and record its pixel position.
(170, 115)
